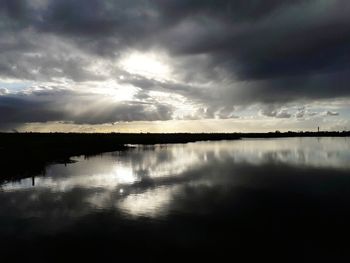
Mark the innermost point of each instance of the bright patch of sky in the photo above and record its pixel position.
(15, 86)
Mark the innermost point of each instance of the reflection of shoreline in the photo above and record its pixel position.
(24, 155)
(145, 165)
(296, 151)
(145, 181)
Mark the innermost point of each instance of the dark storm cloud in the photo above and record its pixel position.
(13, 8)
(284, 37)
(17, 109)
(226, 53)
(63, 105)
(228, 10)
(295, 50)
(292, 88)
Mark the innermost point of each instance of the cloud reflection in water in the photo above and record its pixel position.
(149, 181)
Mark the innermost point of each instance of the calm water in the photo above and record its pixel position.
(286, 199)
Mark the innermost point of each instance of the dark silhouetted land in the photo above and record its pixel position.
(27, 154)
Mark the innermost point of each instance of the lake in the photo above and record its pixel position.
(284, 199)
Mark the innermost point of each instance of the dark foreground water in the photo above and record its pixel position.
(281, 199)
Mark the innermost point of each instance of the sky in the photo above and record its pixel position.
(174, 65)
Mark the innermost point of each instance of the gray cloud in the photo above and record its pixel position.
(332, 113)
(276, 111)
(81, 108)
(3, 91)
(224, 54)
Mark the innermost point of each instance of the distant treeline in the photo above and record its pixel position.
(278, 134)
(27, 154)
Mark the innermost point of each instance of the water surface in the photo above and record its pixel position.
(285, 199)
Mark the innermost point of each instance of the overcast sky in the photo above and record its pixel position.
(174, 65)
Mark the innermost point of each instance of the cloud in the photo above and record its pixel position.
(300, 113)
(3, 91)
(222, 55)
(47, 105)
(331, 113)
(275, 111)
